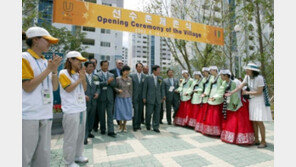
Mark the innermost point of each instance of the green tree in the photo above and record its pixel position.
(67, 40)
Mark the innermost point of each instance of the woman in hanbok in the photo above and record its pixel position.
(259, 106)
(184, 108)
(195, 91)
(204, 100)
(236, 126)
(213, 115)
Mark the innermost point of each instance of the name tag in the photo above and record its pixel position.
(143, 80)
(46, 97)
(105, 88)
(96, 82)
(80, 99)
(171, 88)
(128, 84)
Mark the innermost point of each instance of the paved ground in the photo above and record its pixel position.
(174, 146)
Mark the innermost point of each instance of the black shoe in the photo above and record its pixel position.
(103, 132)
(135, 129)
(96, 130)
(91, 136)
(85, 142)
(170, 123)
(112, 134)
(148, 128)
(156, 130)
(161, 122)
(139, 128)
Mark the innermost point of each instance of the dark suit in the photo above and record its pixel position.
(97, 117)
(114, 72)
(138, 104)
(172, 98)
(91, 105)
(153, 95)
(106, 101)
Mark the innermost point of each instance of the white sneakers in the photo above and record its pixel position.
(81, 159)
(73, 164)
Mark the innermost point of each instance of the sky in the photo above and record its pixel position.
(131, 5)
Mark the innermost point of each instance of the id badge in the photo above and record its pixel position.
(128, 84)
(143, 80)
(96, 82)
(46, 96)
(80, 99)
(104, 88)
(171, 88)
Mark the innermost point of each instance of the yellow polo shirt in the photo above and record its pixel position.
(70, 102)
(32, 103)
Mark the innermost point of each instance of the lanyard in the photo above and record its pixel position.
(47, 78)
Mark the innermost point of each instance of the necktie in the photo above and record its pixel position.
(139, 77)
(155, 81)
(172, 82)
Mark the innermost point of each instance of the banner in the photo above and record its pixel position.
(101, 16)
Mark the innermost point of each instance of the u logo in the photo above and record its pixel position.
(68, 7)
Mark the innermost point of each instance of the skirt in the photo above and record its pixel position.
(258, 110)
(123, 109)
(194, 111)
(182, 114)
(237, 128)
(200, 117)
(212, 124)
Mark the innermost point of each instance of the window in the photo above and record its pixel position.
(107, 4)
(93, 1)
(102, 57)
(108, 58)
(105, 44)
(88, 42)
(105, 31)
(91, 29)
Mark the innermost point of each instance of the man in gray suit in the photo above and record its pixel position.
(138, 79)
(172, 96)
(106, 98)
(91, 95)
(153, 95)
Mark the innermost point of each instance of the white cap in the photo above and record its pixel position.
(253, 67)
(184, 71)
(225, 72)
(205, 69)
(213, 68)
(75, 54)
(197, 73)
(41, 32)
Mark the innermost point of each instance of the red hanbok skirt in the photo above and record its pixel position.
(182, 114)
(237, 128)
(212, 124)
(200, 117)
(195, 109)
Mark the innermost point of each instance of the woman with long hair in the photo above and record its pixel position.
(73, 86)
(259, 106)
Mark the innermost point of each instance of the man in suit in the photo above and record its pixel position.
(91, 96)
(153, 95)
(138, 79)
(146, 73)
(106, 98)
(172, 96)
(117, 72)
(96, 119)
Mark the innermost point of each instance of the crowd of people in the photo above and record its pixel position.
(212, 102)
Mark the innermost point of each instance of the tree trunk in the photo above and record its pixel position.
(260, 39)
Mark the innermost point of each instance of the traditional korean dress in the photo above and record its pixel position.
(195, 91)
(236, 126)
(213, 115)
(203, 105)
(184, 108)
